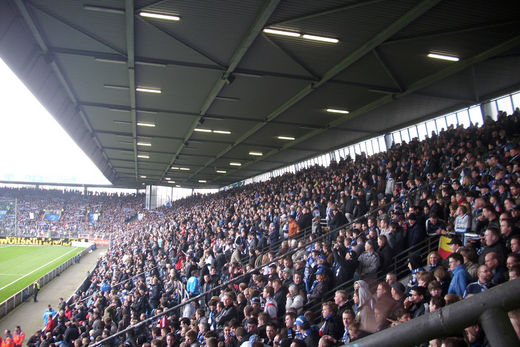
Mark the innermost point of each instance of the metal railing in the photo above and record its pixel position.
(488, 308)
(399, 266)
(12, 302)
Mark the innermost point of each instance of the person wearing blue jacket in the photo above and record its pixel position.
(193, 283)
(461, 277)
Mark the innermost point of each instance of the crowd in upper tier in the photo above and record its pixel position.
(464, 183)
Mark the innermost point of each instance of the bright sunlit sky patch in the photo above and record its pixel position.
(33, 145)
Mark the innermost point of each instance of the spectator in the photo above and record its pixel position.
(482, 284)
(461, 278)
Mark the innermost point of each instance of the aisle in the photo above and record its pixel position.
(29, 315)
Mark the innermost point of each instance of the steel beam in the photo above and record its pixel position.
(449, 320)
(379, 38)
(487, 26)
(78, 29)
(325, 12)
(60, 75)
(130, 56)
(239, 53)
(498, 328)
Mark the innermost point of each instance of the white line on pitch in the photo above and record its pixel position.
(44, 265)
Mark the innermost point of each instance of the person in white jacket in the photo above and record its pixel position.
(294, 300)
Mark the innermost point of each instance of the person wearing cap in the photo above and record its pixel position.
(319, 287)
(305, 333)
(455, 244)
(415, 232)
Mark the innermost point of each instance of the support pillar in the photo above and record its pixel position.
(498, 328)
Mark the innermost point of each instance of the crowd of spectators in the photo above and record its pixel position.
(72, 209)
(464, 183)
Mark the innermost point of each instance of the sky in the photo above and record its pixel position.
(33, 146)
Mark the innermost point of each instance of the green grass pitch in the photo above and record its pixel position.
(22, 265)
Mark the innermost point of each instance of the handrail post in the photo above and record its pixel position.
(498, 328)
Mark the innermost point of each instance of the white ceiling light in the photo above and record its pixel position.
(320, 38)
(175, 168)
(171, 182)
(113, 61)
(288, 138)
(118, 110)
(143, 156)
(147, 63)
(225, 132)
(114, 86)
(142, 176)
(146, 124)
(235, 164)
(202, 181)
(336, 110)
(145, 144)
(104, 9)
(281, 32)
(178, 186)
(184, 169)
(159, 16)
(221, 171)
(122, 122)
(443, 57)
(148, 90)
(200, 130)
(167, 178)
(258, 154)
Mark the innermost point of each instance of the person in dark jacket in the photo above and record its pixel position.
(303, 327)
(319, 287)
(332, 325)
(305, 220)
(345, 266)
(415, 232)
(229, 312)
(386, 253)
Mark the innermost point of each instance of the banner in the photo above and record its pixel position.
(444, 248)
(38, 241)
(93, 217)
(52, 217)
(3, 213)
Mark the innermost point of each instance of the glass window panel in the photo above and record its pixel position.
(451, 119)
(430, 126)
(382, 144)
(504, 104)
(413, 132)
(375, 145)
(516, 100)
(441, 124)
(368, 145)
(352, 152)
(463, 118)
(357, 149)
(475, 115)
(405, 136)
(396, 137)
(421, 130)
(363, 147)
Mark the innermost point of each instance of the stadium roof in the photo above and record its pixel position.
(230, 84)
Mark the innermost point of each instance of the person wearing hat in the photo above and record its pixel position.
(415, 232)
(319, 287)
(455, 244)
(305, 333)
